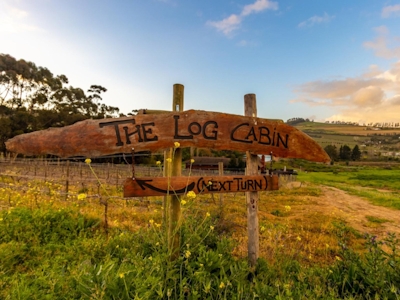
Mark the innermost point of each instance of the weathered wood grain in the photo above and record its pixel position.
(93, 138)
(159, 186)
(252, 197)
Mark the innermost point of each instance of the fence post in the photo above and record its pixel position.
(67, 182)
(176, 170)
(221, 196)
(250, 110)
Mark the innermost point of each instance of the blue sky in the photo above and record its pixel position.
(323, 60)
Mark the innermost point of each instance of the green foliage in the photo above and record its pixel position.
(374, 219)
(345, 152)
(356, 153)
(58, 254)
(373, 275)
(332, 152)
(32, 98)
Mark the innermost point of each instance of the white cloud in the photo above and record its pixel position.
(14, 19)
(381, 44)
(243, 43)
(387, 11)
(227, 25)
(258, 6)
(316, 20)
(233, 22)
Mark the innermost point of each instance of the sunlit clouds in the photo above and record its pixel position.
(384, 45)
(314, 20)
(14, 19)
(371, 97)
(233, 22)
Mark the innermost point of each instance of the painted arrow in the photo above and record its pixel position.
(143, 183)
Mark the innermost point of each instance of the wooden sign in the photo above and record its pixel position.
(161, 186)
(221, 131)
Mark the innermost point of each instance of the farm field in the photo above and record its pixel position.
(374, 143)
(344, 129)
(320, 237)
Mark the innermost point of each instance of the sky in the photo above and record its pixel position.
(322, 60)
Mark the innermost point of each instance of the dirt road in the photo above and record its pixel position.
(356, 211)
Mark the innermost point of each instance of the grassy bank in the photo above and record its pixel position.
(93, 244)
(379, 186)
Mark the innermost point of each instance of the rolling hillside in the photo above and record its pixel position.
(373, 142)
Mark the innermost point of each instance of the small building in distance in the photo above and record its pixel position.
(207, 163)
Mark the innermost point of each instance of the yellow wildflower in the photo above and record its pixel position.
(183, 202)
(158, 162)
(262, 228)
(211, 227)
(338, 258)
(192, 161)
(177, 144)
(222, 285)
(208, 215)
(158, 225)
(151, 221)
(191, 195)
(298, 238)
(187, 253)
(88, 161)
(121, 275)
(287, 208)
(169, 159)
(82, 196)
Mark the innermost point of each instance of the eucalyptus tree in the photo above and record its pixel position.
(32, 98)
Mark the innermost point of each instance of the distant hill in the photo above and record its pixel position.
(371, 140)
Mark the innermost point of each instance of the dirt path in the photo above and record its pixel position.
(355, 211)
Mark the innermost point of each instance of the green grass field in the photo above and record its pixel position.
(58, 247)
(381, 187)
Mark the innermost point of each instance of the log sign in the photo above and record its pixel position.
(92, 138)
(141, 187)
(208, 130)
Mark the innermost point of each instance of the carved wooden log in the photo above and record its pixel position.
(93, 138)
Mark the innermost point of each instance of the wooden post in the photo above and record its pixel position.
(67, 182)
(250, 109)
(176, 170)
(221, 196)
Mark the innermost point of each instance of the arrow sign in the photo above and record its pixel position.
(161, 186)
(220, 131)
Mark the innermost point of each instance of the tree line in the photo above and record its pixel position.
(33, 98)
(345, 153)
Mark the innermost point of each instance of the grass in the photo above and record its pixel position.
(377, 220)
(380, 187)
(57, 247)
